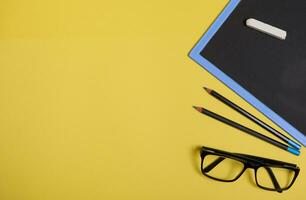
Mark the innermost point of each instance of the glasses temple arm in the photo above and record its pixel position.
(274, 180)
(213, 164)
(265, 160)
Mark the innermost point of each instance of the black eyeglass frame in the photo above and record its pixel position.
(253, 162)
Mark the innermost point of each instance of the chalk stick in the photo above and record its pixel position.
(266, 28)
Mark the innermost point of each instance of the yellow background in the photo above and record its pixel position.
(96, 103)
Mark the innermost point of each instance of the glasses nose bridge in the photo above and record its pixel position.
(252, 165)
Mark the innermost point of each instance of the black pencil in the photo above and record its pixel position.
(252, 118)
(247, 130)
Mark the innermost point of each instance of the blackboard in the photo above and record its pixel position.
(267, 72)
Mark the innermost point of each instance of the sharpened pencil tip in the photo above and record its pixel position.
(207, 89)
(198, 108)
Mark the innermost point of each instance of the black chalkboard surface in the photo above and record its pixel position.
(272, 70)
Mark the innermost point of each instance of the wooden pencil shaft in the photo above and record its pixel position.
(244, 129)
(249, 116)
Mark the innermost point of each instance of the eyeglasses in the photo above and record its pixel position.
(270, 174)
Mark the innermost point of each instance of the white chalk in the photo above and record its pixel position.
(266, 28)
